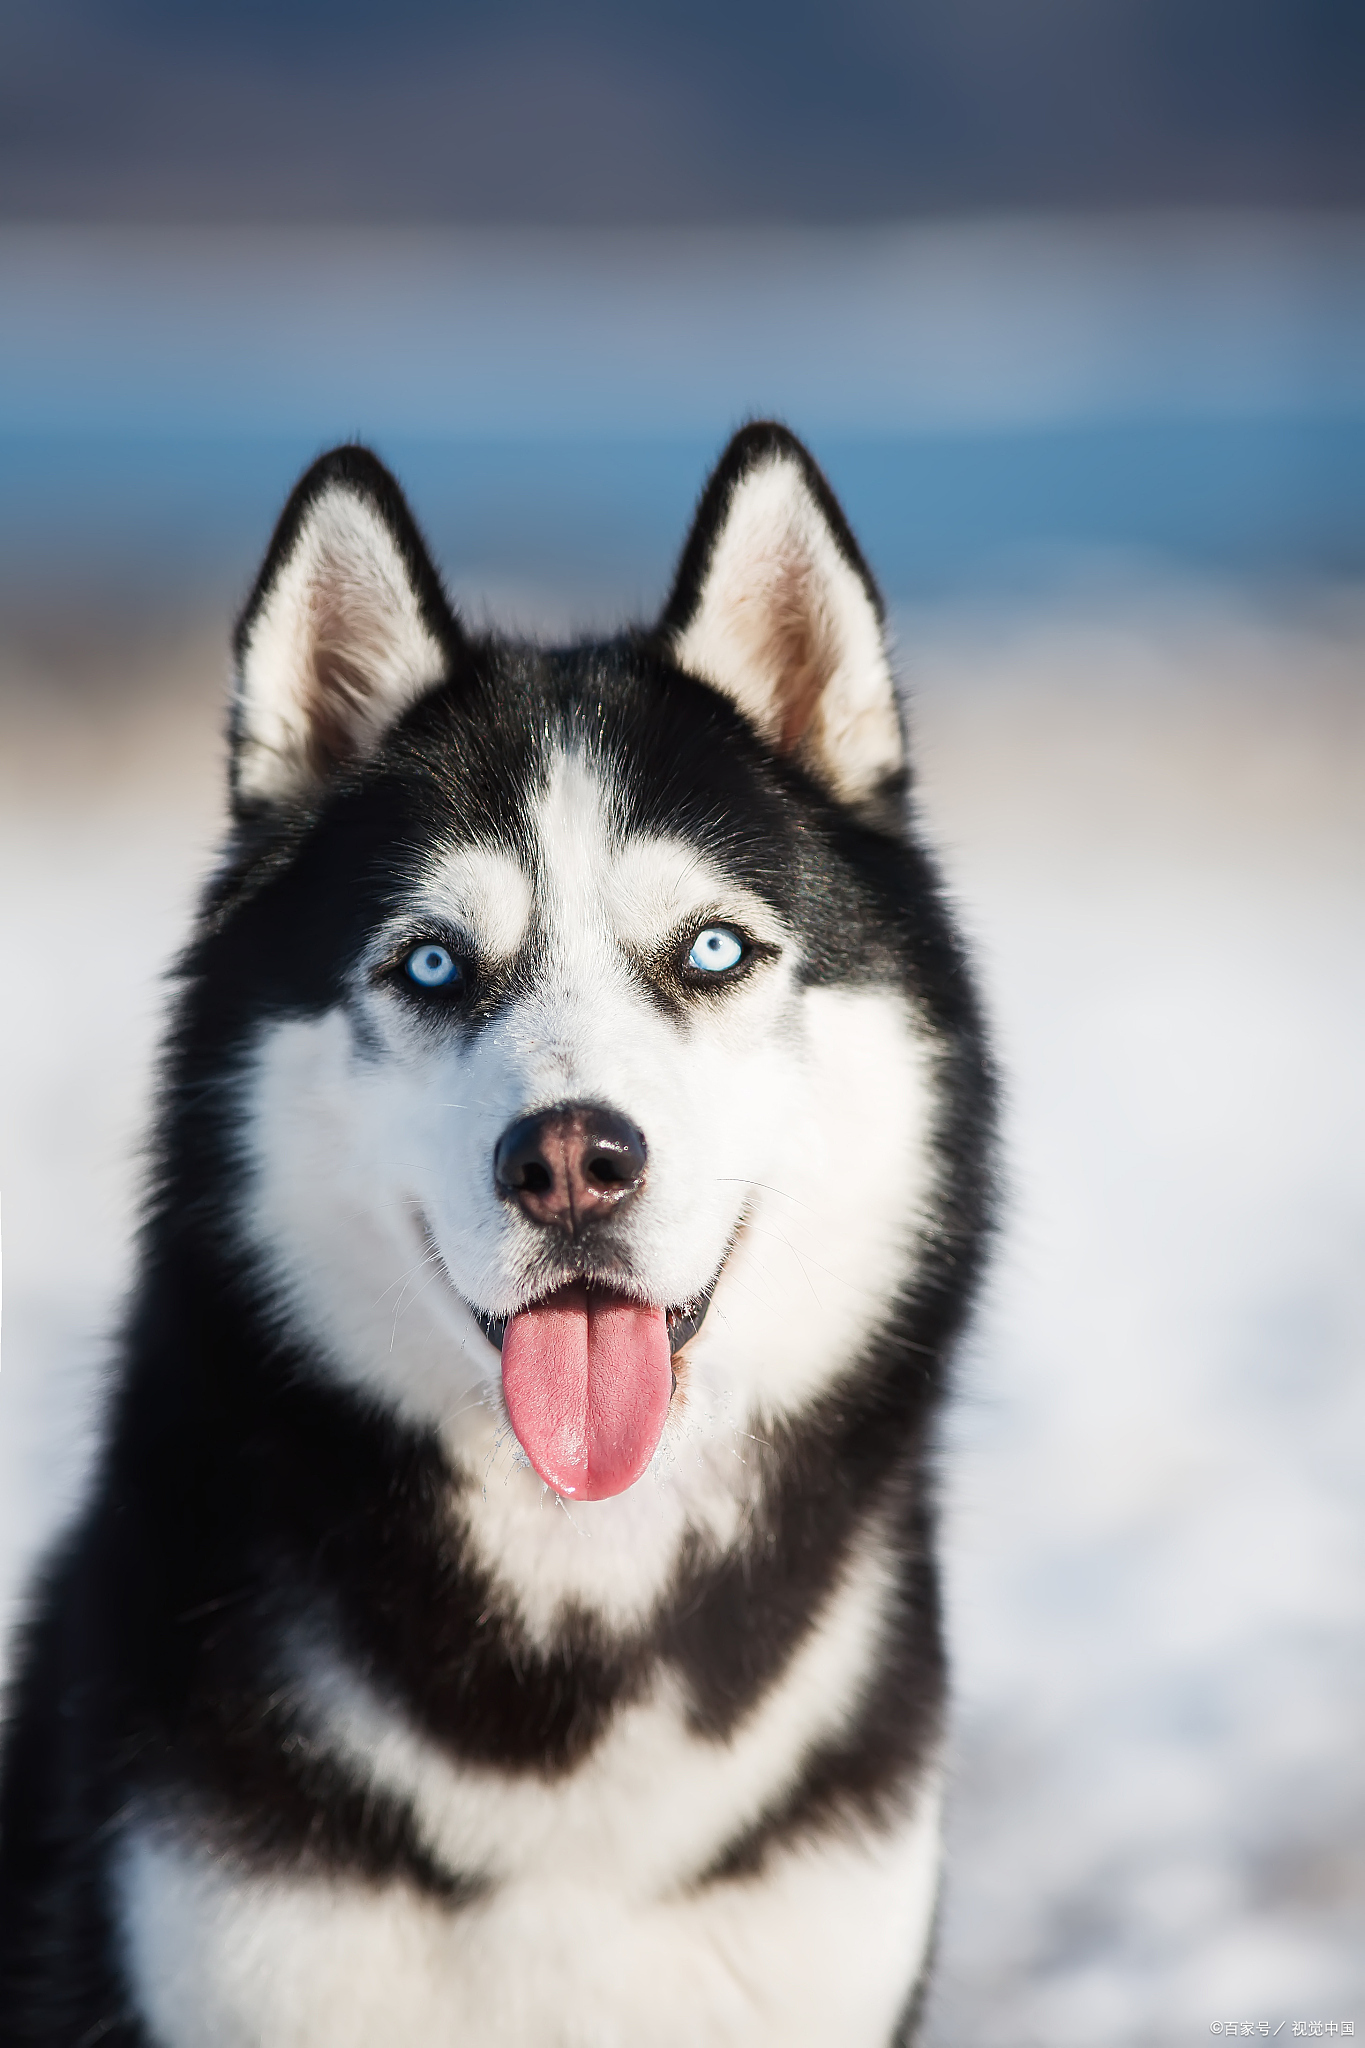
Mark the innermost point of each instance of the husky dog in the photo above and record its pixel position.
(505, 1611)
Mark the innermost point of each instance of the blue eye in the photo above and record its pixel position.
(716, 950)
(433, 967)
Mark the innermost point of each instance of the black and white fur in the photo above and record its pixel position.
(332, 1725)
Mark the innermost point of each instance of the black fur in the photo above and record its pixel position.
(240, 1488)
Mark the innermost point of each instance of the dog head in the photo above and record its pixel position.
(581, 1010)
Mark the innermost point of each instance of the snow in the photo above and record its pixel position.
(1150, 807)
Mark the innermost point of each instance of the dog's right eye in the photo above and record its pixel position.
(433, 967)
(716, 950)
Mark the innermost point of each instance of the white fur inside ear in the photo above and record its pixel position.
(336, 653)
(785, 627)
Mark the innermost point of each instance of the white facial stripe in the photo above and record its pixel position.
(573, 827)
(638, 890)
(635, 894)
(660, 886)
(482, 890)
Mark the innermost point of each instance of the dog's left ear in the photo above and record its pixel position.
(775, 606)
(347, 626)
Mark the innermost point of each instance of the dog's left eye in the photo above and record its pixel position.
(432, 966)
(716, 950)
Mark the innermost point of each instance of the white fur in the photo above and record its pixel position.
(777, 581)
(821, 1948)
(654, 1803)
(790, 1146)
(486, 893)
(344, 592)
(790, 1128)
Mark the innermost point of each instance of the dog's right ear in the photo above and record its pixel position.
(346, 627)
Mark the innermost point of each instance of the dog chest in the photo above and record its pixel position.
(824, 1945)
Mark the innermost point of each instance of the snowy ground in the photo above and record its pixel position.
(1151, 816)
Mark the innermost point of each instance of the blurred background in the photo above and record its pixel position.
(1068, 296)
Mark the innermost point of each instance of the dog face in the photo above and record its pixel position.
(581, 1071)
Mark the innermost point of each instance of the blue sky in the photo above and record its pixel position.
(997, 399)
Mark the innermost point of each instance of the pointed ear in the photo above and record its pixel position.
(775, 606)
(346, 627)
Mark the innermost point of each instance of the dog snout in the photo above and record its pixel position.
(570, 1165)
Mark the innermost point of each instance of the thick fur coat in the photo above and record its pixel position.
(335, 1724)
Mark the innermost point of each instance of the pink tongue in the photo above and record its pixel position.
(587, 1378)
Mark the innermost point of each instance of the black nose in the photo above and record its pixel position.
(570, 1164)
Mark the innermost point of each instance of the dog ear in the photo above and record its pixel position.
(346, 627)
(774, 605)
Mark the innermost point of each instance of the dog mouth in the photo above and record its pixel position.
(588, 1381)
(682, 1321)
(588, 1376)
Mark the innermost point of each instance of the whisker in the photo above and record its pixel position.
(809, 1258)
(742, 1180)
(476, 1400)
(572, 1523)
(802, 1264)
(393, 1333)
(404, 1277)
